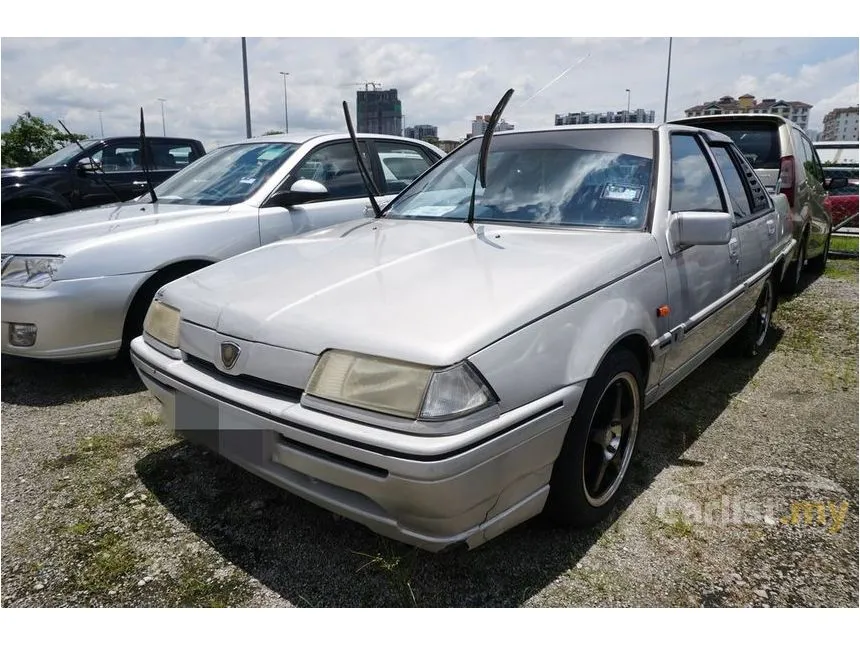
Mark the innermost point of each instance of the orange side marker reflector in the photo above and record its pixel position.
(662, 311)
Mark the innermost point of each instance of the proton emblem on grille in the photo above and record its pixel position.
(229, 354)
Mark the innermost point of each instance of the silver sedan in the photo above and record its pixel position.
(476, 356)
(76, 286)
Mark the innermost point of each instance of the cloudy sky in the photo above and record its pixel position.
(440, 81)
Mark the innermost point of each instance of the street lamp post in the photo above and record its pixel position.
(668, 71)
(627, 114)
(163, 126)
(286, 117)
(101, 124)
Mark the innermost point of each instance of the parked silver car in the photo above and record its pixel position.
(77, 286)
(446, 371)
(786, 162)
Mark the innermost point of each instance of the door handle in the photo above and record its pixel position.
(138, 183)
(771, 227)
(734, 249)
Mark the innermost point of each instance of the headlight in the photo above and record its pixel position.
(398, 388)
(33, 272)
(162, 323)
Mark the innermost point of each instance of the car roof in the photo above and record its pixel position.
(715, 136)
(321, 137)
(734, 117)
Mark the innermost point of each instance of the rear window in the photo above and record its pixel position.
(759, 142)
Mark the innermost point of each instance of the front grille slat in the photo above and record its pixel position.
(263, 386)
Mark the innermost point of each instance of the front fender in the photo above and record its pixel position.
(568, 345)
(52, 200)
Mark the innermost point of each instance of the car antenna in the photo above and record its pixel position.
(101, 171)
(484, 152)
(369, 184)
(143, 159)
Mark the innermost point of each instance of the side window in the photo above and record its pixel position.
(734, 182)
(336, 168)
(694, 187)
(401, 164)
(119, 157)
(170, 156)
(760, 199)
(813, 165)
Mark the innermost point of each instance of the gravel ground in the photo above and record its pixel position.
(744, 493)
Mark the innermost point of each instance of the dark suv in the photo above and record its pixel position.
(105, 171)
(786, 162)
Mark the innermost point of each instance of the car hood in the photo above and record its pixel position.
(62, 234)
(428, 292)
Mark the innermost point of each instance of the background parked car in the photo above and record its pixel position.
(785, 160)
(72, 178)
(840, 159)
(77, 285)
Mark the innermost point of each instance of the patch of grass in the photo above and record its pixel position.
(841, 271)
(678, 528)
(195, 586)
(398, 566)
(844, 243)
(62, 461)
(106, 563)
(150, 419)
(81, 527)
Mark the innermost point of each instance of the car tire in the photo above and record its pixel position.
(750, 341)
(818, 264)
(792, 279)
(593, 464)
(133, 326)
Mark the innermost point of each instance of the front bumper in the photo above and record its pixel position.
(75, 319)
(431, 492)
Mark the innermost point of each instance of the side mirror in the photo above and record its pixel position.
(835, 183)
(690, 228)
(85, 166)
(302, 191)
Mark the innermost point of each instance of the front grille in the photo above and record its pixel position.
(259, 385)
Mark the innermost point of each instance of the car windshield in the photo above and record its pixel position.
(586, 178)
(225, 176)
(62, 156)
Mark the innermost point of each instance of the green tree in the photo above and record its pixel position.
(30, 138)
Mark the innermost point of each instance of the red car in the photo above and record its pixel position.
(840, 159)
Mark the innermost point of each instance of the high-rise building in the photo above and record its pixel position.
(796, 111)
(841, 124)
(379, 112)
(582, 118)
(479, 125)
(422, 132)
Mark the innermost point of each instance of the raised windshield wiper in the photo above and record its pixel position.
(481, 170)
(369, 185)
(144, 159)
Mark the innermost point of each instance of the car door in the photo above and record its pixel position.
(755, 224)
(120, 169)
(820, 220)
(333, 165)
(698, 276)
(167, 157)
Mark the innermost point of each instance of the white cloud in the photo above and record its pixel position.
(441, 81)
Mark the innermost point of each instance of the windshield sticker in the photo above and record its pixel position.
(247, 180)
(622, 192)
(429, 211)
